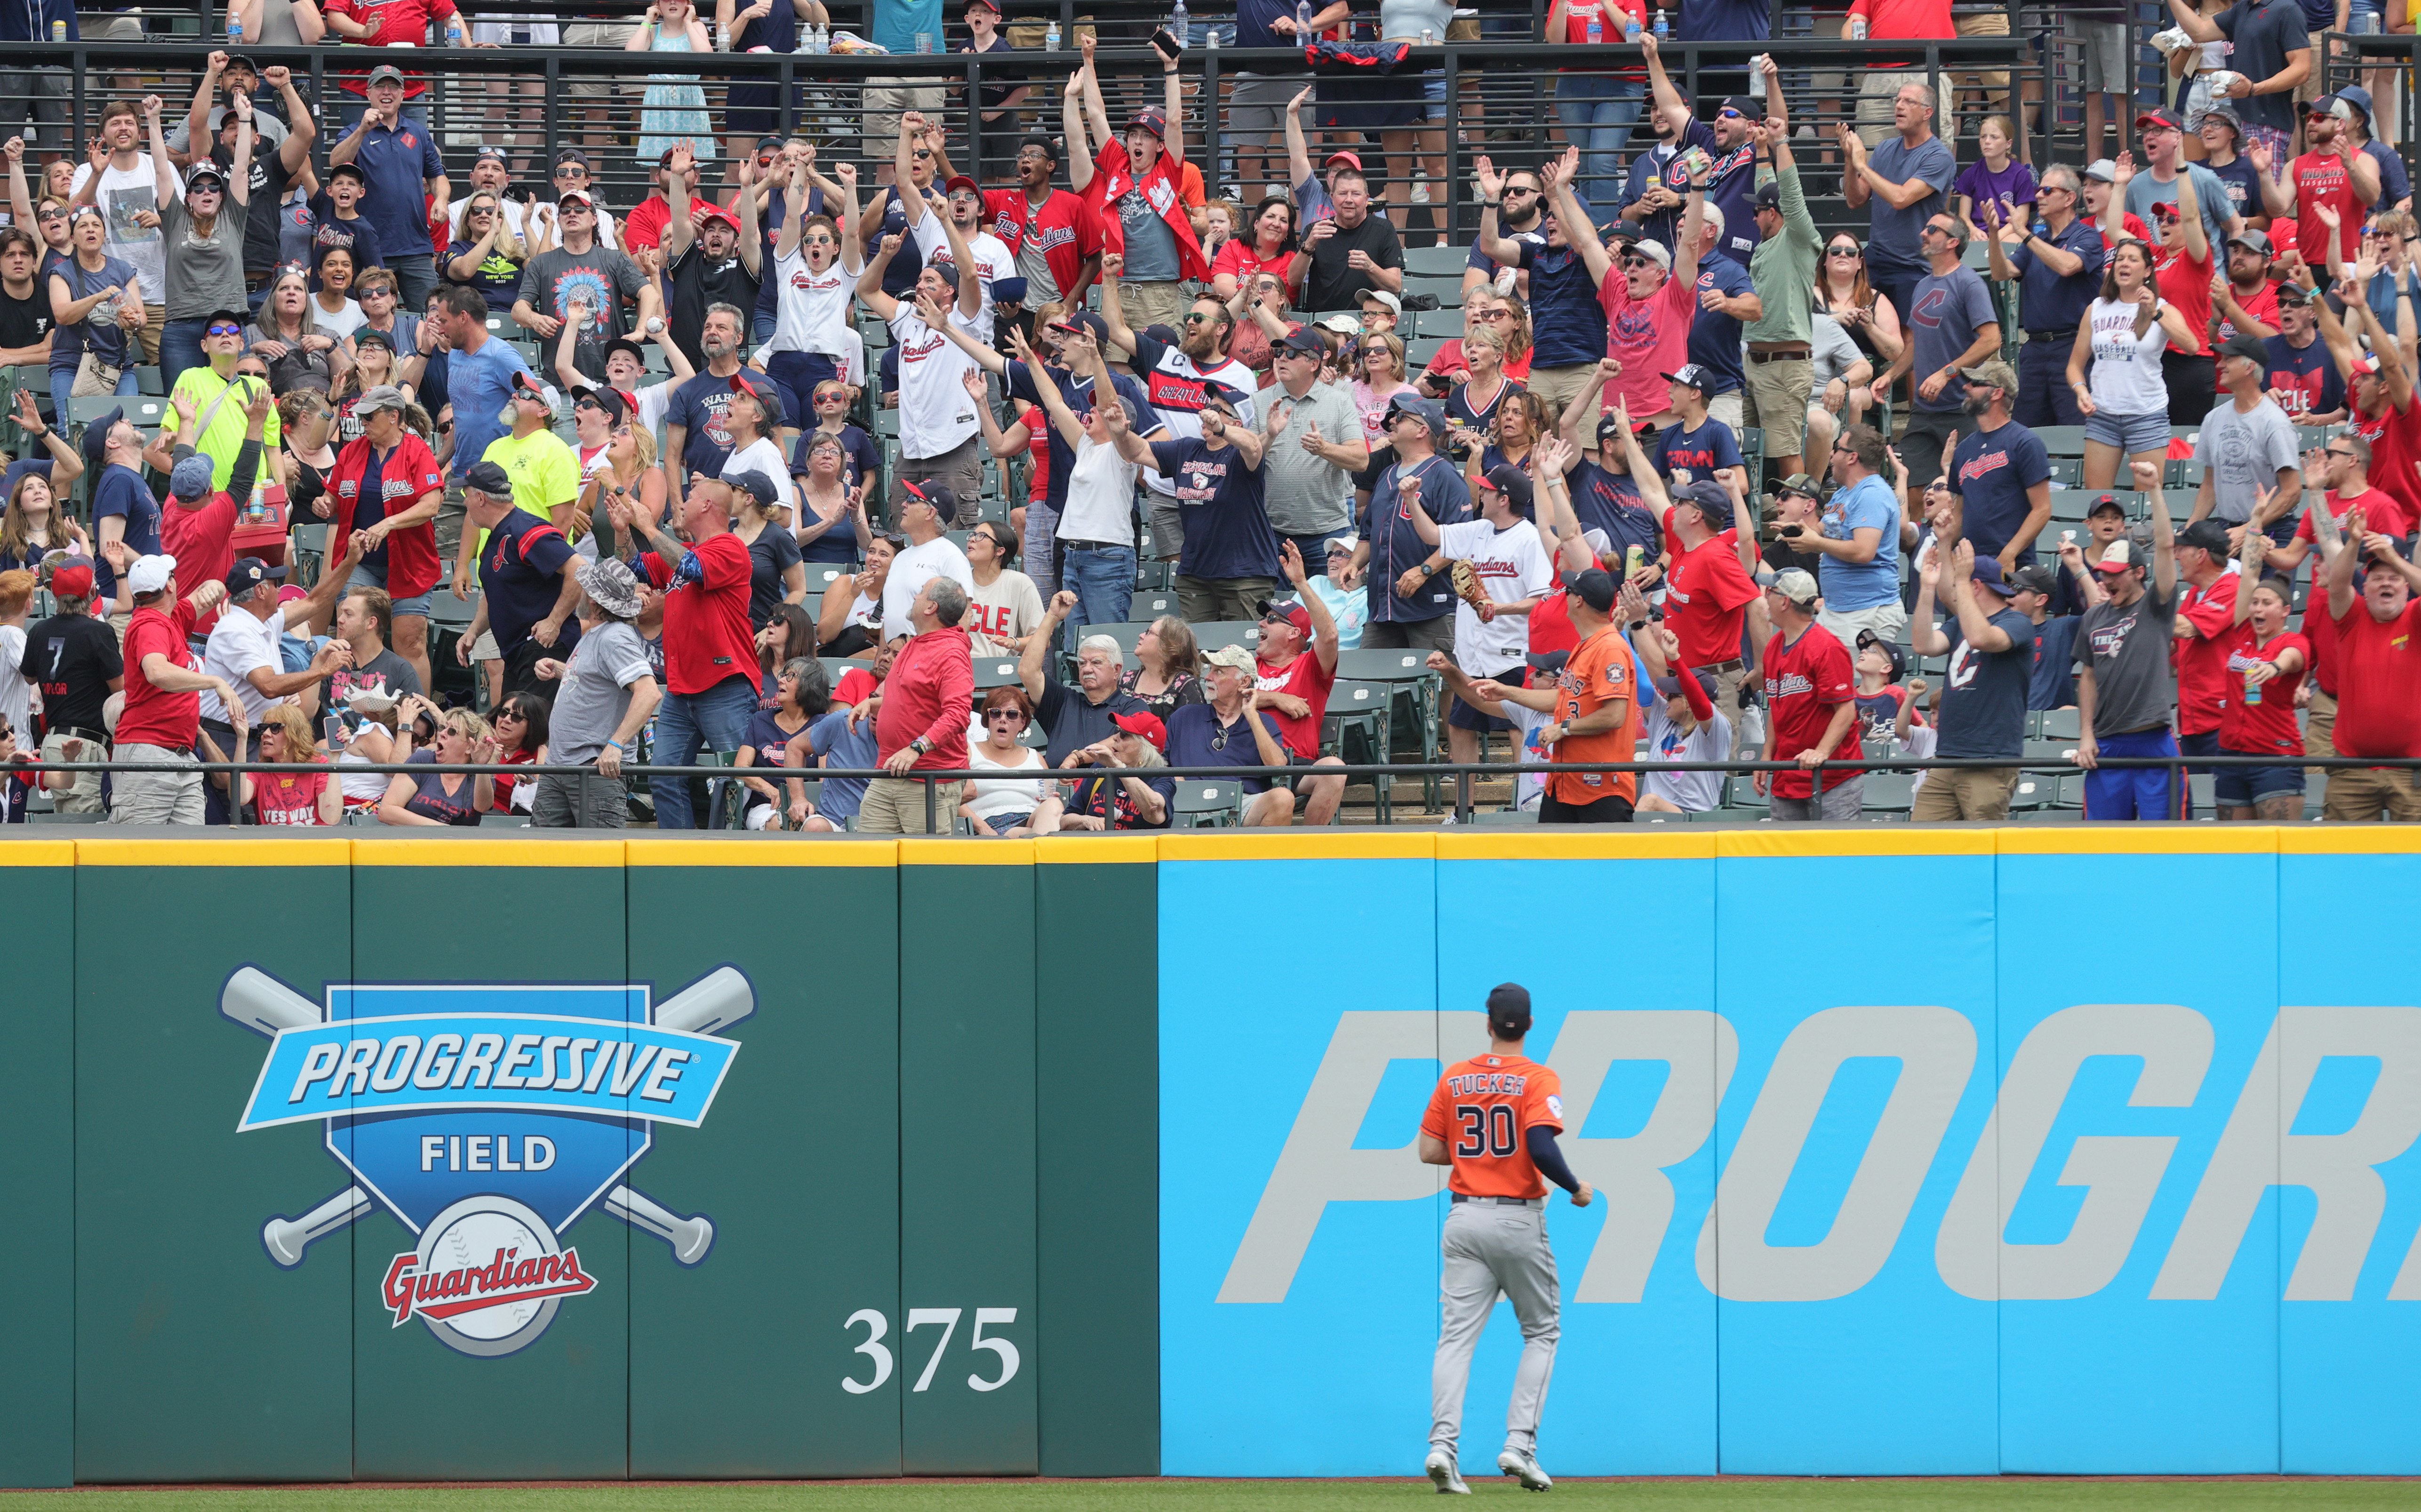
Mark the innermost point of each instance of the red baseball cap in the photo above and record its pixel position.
(1293, 613)
(717, 213)
(960, 181)
(1145, 722)
(1351, 160)
(74, 580)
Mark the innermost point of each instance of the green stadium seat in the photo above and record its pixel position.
(995, 672)
(1436, 262)
(1356, 710)
(1203, 804)
(2062, 441)
(1888, 792)
(2063, 724)
(1414, 691)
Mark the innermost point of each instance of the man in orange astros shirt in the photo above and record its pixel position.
(1494, 1119)
(1594, 707)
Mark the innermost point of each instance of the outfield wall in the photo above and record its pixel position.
(2109, 1167)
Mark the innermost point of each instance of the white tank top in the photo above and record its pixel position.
(813, 312)
(2126, 378)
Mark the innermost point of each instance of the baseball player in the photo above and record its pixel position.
(1494, 1119)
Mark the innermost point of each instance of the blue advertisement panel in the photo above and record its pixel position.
(1922, 1152)
(2349, 1066)
(1840, 1139)
(1299, 1230)
(2138, 1245)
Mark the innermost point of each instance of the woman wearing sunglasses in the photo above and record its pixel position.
(1867, 317)
(517, 735)
(801, 694)
(203, 236)
(486, 252)
(96, 311)
(1005, 806)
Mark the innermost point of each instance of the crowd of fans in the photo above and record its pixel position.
(1697, 481)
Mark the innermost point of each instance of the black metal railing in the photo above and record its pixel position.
(1463, 775)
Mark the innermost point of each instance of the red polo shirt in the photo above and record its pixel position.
(929, 693)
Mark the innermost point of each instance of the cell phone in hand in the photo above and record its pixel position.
(1167, 43)
(334, 727)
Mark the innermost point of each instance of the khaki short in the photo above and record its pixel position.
(599, 34)
(1465, 29)
(2356, 795)
(1155, 301)
(885, 101)
(1994, 24)
(1974, 794)
(1778, 403)
(1556, 387)
(2310, 88)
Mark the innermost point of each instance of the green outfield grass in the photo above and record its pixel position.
(2003, 1495)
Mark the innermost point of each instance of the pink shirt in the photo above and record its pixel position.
(1650, 336)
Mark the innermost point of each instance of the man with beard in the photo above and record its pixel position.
(1731, 181)
(1652, 208)
(720, 262)
(695, 438)
(2335, 173)
(1182, 382)
(1521, 216)
(2000, 473)
(1055, 239)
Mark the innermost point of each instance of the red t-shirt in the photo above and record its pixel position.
(1804, 682)
(2202, 662)
(411, 473)
(505, 785)
(2267, 728)
(290, 796)
(154, 716)
(2319, 633)
(1651, 336)
(1550, 623)
(707, 633)
(1707, 594)
(1037, 452)
(203, 543)
(2186, 284)
(2379, 678)
(2395, 437)
(1114, 176)
(2321, 178)
(928, 693)
(856, 686)
(389, 21)
(1240, 258)
(2262, 307)
(644, 226)
(1308, 680)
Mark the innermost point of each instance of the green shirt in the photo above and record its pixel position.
(1782, 268)
(223, 431)
(545, 473)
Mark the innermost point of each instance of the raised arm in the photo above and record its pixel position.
(1298, 153)
(163, 173)
(1071, 121)
(869, 283)
(1668, 100)
(1558, 174)
(1173, 106)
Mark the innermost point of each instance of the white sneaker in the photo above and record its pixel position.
(1524, 1466)
(1444, 1476)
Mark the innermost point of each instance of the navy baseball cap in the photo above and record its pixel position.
(1987, 571)
(1514, 484)
(1708, 498)
(248, 573)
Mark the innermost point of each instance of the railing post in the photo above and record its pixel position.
(928, 805)
(554, 96)
(1445, 199)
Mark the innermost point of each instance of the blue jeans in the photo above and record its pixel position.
(716, 719)
(63, 384)
(1597, 115)
(180, 347)
(1103, 582)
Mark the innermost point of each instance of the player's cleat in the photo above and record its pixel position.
(1524, 1466)
(1444, 1476)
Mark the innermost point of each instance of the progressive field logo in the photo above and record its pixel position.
(486, 1118)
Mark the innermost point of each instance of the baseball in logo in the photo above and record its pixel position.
(486, 1118)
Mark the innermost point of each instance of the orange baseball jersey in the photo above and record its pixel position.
(1483, 1107)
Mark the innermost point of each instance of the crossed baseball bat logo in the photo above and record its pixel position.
(265, 1006)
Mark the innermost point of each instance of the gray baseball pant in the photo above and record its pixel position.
(1494, 1249)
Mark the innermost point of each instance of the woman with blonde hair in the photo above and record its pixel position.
(33, 526)
(433, 797)
(1378, 379)
(631, 471)
(2122, 341)
(486, 252)
(297, 798)
(1167, 662)
(306, 451)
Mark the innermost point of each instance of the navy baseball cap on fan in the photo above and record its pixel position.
(2107, 501)
(1595, 588)
(1693, 375)
(2205, 535)
(1304, 344)
(489, 478)
(191, 477)
(1987, 572)
(1708, 498)
(1671, 687)
(2034, 578)
(638, 353)
(1508, 1010)
(1429, 412)
(248, 573)
(1086, 321)
(1514, 484)
(767, 493)
(1290, 610)
(96, 433)
(1609, 426)
(1151, 118)
(933, 491)
(1898, 658)
(1743, 105)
